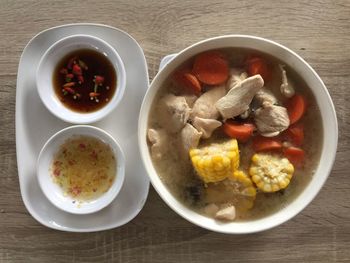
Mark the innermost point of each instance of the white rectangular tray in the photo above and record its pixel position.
(34, 125)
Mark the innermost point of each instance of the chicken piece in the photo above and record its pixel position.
(286, 88)
(264, 95)
(206, 126)
(237, 100)
(245, 115)
(270, 173)
(271, 119)
(159, 143)
(204, 105)
(190, 99)
(237, 75)
(173, 112)
(270, 134)
(211, 209)
(227, 213)
(189, 138)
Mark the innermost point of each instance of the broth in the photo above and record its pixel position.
(177, 172)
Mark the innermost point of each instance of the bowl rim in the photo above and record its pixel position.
(99, 134)
(187, 213)
(119, 68)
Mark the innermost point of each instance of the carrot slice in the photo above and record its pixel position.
(211, 68)
(296, 107)
(241, 132)
(257, 65)
(261, 144)
(188, 81)
(295, 155)
(295, 134)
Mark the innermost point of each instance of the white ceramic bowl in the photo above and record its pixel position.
(54, 192)
(329, 123)
(46, 67)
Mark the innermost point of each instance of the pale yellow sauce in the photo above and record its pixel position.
(84, 167)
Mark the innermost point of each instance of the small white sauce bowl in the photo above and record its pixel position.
(54, 192)
(329, 126)
(48, 63)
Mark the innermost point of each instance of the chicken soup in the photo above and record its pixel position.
(235, 134)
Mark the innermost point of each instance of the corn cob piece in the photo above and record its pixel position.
(241, 184)
(270, 173)
(215, 162)
(237, 190)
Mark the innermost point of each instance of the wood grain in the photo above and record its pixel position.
(318, 30)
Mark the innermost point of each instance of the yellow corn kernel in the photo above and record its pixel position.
(193, 152)
(267, 188)
(275, 187)
(217, 159)
(283, 183)
(218, 167)
(195, 159)
(250, 191)
(260, 185)
(207, 163)
(255, 158)
(289, 168)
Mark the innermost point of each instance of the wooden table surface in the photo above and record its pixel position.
(318, 30)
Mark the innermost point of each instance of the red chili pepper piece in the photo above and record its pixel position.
(82, 146)
(70, 76)
(57, 172)
(94, 94)
(69, 84)
(81, 78)
(99, 80)
(77, 70)
(69, 90)
(94, 155)
(75, 190)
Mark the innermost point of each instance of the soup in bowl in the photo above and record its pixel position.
(233, 132)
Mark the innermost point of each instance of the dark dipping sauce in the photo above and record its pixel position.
(88, 89)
